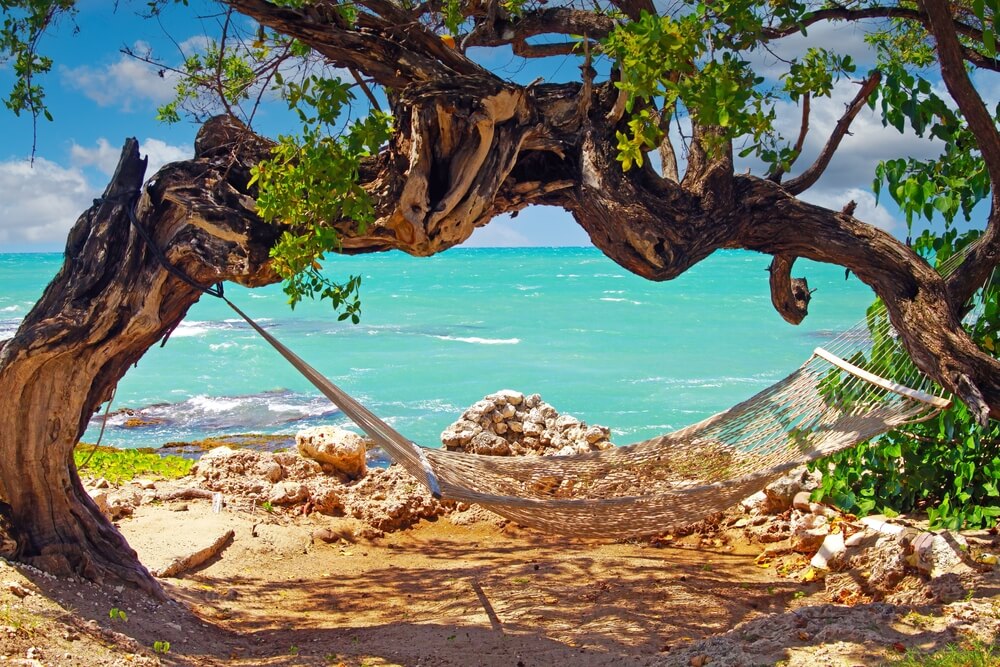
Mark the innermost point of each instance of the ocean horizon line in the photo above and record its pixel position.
(382, 252)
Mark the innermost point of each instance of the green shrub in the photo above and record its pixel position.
(948, 466)
(967, 654)
(122, 465)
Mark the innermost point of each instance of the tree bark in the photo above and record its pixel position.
(111, 301)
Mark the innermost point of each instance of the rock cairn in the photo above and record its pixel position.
(508, 423)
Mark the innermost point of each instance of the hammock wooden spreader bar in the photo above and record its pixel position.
(824, 406)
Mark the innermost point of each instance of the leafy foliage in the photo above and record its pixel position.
(122, 465)
(672, 61)
(24, 24)
(312, 182)
(948, 466)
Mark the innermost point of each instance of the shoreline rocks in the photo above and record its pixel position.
(338, 451)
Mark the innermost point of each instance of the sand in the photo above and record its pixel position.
(446, 594)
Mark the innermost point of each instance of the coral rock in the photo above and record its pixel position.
(337, 450)
(287, 493)
(510, 423)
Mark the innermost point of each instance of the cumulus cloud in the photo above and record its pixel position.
(851, 171)
(845, 39)
(104, 156)
(39, 203)
(125, 83)
(868, 210)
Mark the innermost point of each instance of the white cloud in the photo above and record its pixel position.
(851, 171)
(126, 83)
(39, 204)
(499, 233)
(160, 153)
(867, 209)
(842, 38)
(535, 226)
(105, 157)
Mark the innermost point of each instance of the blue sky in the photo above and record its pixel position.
(99, 97)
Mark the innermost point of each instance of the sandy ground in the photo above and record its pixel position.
(441, 594)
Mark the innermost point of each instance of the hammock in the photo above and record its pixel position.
(826, 405)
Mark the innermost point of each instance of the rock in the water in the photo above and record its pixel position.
(337, 450)
(510, 423)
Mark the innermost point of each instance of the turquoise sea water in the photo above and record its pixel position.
(439, 333)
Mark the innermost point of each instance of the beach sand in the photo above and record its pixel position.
(446, 594)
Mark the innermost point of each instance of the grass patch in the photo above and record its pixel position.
(20, 619)
(122, 465)
(966, 654)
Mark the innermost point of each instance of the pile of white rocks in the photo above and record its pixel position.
(508, 423)
(868, 558)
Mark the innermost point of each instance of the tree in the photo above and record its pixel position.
(461, 145)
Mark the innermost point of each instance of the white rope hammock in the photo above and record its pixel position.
(826, 405)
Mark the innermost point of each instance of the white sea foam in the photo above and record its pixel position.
(481, 341)
(190, 329)
(215, 347)
(696, 382)
(216, 405)
(618, 299)
(8, 328)
(289, 407)
(10, 309)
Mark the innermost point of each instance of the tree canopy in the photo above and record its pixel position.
(407, 139)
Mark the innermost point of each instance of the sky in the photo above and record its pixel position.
(99, 96)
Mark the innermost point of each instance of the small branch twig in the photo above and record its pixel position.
(808, 178)
(779, 171)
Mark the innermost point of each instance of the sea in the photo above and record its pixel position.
(437, 334)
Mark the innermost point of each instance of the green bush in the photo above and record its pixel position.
(948, 466)
(122, 465)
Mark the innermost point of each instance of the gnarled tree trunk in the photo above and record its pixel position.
(111, 301)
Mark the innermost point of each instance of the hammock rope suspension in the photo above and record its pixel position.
(676, 478)
(828, 404)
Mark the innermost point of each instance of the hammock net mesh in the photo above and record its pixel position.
(836, 399)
